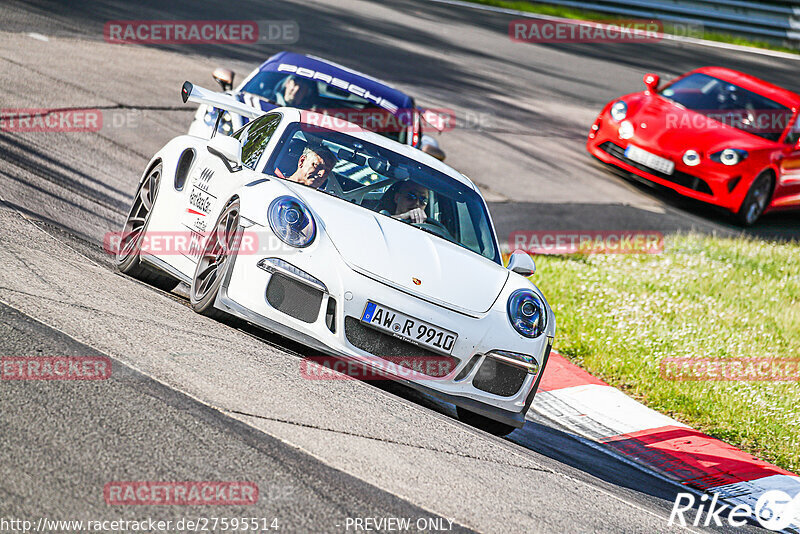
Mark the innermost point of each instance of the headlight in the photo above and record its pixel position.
(226, 124)
(626, 130)
(619, 110)
(691, 158)
(729, 156)
(211, 116)
(527, 313)
(292, 222)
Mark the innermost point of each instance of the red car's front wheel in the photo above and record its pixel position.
(757, 199)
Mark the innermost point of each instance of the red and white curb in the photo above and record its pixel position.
(592, 409)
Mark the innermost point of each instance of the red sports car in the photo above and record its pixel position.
(713, 134)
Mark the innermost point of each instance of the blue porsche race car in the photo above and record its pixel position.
(314, 84)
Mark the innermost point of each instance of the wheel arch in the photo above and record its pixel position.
(150, 166)
(773, 171)
(769, 169)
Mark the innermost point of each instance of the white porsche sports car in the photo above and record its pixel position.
(391, 258)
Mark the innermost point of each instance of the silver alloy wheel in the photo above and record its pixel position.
(760, 197)
(137, 218)
(221, 243)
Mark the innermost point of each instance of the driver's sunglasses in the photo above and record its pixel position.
(417, 198)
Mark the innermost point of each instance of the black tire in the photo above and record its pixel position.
(756, 200)
(128, 259)
(221, 244)
(496, 428)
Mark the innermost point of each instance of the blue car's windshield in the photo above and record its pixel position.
(286, 89)
(391, 184)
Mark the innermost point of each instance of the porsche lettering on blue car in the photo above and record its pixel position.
(314, 84)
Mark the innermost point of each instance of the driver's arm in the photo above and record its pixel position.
(415, 216)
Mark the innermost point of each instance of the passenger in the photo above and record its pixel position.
(313, 167)
(406, 201)
(297, 93)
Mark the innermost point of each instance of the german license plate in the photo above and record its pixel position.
(408, 328)
(648, 159)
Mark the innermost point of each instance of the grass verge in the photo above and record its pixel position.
(581, 14)
(619, 316)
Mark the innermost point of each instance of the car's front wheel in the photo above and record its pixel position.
(757, 199)
(221, 244)
(496, 428)
(128, 258)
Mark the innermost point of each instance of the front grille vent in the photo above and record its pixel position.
(678, 177)
(294, 298)
(397, 350)
(499, 378)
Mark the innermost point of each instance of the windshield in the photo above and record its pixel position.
(286, 89)
(387, 183)
(730, 104)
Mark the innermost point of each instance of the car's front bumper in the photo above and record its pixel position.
(244, 294)
(708, 182)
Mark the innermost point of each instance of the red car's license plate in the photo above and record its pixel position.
(648, 159)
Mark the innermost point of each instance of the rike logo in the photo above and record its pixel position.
(775, 510)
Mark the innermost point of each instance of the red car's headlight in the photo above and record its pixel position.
(729, 156)
(619, 110)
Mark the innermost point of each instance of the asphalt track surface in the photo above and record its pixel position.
(193, 399)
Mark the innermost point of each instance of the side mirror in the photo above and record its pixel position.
(224, 77)
(521, 263)
(430, 146)
(228, 148)
(651, 82)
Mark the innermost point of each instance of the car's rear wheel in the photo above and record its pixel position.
(128, 259)
(221, 245)
(756, 200)
(482, 422)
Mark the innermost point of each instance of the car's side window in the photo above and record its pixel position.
(794, 133)
(256, 137)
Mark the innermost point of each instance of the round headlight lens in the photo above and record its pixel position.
(226, 124)
(729, 156)
(210, 116)
(292, 222)
(619, 110)
(691, 158)
(526, 312)
(625, 130)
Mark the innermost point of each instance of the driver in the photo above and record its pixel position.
(295, 92)
(408, 203)
(313, 167)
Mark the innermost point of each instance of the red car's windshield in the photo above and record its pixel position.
(730, 104)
